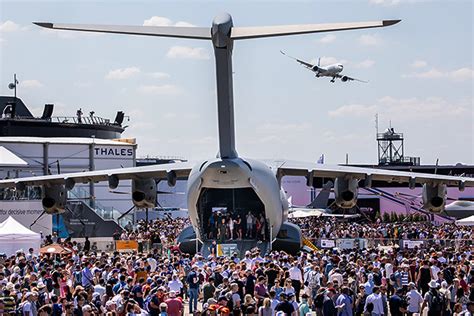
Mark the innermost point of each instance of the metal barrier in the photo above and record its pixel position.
(368, 243)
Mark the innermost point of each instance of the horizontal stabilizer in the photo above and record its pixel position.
(164, 31)
(282, 30)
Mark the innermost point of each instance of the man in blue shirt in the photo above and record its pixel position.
(344, 303)
(87, 277)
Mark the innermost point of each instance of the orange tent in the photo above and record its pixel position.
(55, 249)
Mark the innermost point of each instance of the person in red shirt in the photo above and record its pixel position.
(175, 306)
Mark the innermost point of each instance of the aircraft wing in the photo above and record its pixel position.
(181, 169)
(302, 62)
(297, 168)
(350, 78)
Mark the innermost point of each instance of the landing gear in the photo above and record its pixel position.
(333, 79)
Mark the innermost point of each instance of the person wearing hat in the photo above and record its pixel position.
(414, 299)
(434, 300)
(174, 305)
(29, 305)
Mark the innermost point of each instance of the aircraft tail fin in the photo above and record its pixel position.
(163, 31)
(321, 201)
(238, 33)
(319, 61)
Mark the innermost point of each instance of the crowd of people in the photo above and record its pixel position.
(326, 282)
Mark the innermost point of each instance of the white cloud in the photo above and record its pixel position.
(166, 89)
(368, 40)
(417, 109)
(279, 127)
(187, 52)
(159, 75)
(122, 73)
(31, 83)
(460, 74)
(384, 2)
(163, 21)
(9, 26)
(328, 39)
(419, 64)
(365, 63)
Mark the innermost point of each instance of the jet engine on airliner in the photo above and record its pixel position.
(434, 197)
(345, 191)
(144, 193)
(54, 199)
(344, 78)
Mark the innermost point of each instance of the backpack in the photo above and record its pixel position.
(146, 302)
(370, 307)
(319, 300)
(436, 303)
(77, 278)
(19, 309)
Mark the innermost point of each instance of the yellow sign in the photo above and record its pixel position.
(126, 245)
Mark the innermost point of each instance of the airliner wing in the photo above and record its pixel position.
(350, 78)
(297, 168)
(181, 169)
(302, 62)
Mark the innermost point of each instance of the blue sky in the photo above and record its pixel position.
(420, 73)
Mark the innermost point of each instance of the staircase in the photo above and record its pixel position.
(80, 220)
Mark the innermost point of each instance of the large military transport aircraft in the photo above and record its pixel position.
(231, 183)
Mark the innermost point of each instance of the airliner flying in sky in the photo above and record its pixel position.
(230, 183)
(333, 71)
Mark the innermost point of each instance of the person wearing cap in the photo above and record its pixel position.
(174, 305)
(414, 299)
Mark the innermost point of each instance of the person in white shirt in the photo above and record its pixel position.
(374, 300)
(414, 299)
(335, 275)
(296, 280)
(175, 284)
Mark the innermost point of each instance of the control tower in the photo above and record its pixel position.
(391, 150)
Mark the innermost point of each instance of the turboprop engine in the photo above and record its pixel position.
(144, 193)
(345, 191)
(434, 197)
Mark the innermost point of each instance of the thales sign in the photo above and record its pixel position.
(114, 151)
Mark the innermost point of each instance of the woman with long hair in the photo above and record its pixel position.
(266, 309)
(249, 307)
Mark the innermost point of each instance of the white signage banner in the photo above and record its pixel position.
(26, 212)
(346, 243)
(410, 244)
(327, 243)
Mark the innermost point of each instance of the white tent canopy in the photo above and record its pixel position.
(468, 221)
(9, 159)
(14, 236)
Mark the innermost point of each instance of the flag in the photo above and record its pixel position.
(321, 159)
